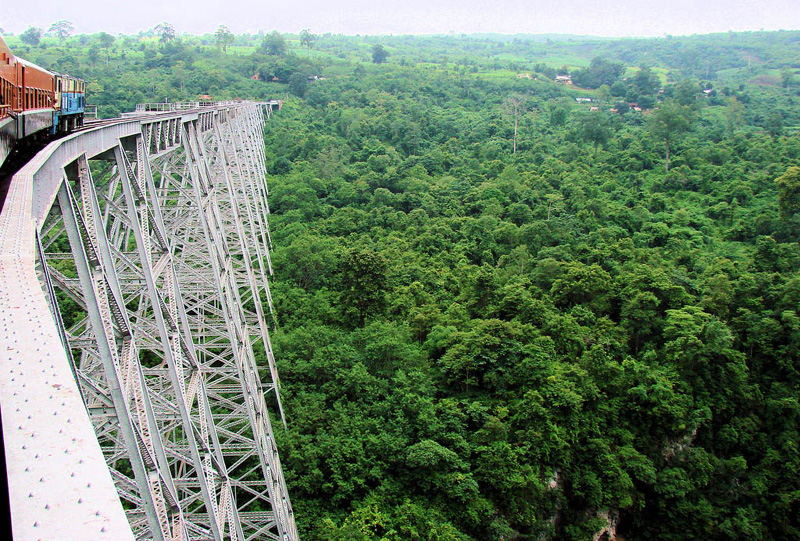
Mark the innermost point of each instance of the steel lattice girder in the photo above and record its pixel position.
(155, 234)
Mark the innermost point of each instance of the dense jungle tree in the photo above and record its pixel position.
(31, 36)
(62, 29)
(668, 122)
(379, 54)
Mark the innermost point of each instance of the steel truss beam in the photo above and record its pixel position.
(151, 246)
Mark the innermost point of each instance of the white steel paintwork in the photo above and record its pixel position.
(147, 239)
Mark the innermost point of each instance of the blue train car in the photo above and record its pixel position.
(70, 103)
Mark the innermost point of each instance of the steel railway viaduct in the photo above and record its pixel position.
(134, 316)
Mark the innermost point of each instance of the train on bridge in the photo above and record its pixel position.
(35, 102)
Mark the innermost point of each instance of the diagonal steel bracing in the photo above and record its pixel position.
(151, 249)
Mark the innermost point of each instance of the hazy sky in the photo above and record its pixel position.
(592, 17)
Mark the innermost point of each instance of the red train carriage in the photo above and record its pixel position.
(28, 95)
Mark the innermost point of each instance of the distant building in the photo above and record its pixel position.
(583, 100)
(523, 75)
(564, 79)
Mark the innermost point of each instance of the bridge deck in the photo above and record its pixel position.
(59, 485)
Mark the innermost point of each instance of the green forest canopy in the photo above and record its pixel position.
(477, 343)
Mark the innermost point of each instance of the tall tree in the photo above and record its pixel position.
(274, 44)
(595, 129)
(789, 193)
(363, 275)
(687, 92)
(734, 114)
(668, 122)
(787, 77)
(774, 123)
(63, 29)
(31, 36)
(600, 72)
(307, 39)
(516, 107)
(379, 54)
(224, 38)
(106, 41)
(166, 32)
(645, 81)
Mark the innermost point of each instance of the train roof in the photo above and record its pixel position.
(65, 76)
(4, 48)
(29, 64)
